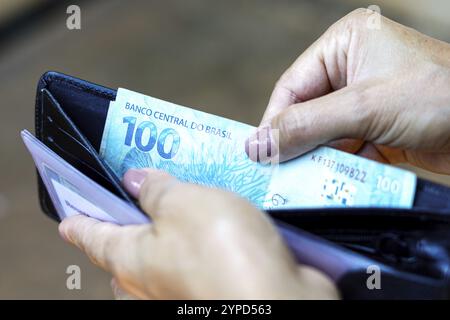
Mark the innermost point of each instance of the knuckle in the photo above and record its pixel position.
(353, 20)
(283, 88)
(285, 78)
(357, 15)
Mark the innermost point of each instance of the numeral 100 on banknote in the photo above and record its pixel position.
(144, 144)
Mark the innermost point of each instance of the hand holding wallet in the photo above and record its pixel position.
(342, 242)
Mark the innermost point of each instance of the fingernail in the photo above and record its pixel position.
(133, 179)
(260, 146)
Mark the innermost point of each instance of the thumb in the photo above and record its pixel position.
(345, 113)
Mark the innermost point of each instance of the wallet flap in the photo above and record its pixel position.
(58, 131)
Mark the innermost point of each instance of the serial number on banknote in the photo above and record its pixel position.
(342, 168)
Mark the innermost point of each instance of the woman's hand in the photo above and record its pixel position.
(389, 86)
(202, 243)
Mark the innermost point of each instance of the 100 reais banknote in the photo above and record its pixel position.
(206, 149)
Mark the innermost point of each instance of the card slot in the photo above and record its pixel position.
(52, 108)
(67, 137)
(70, 137)
(62, 152)
(71, 145)
(86, 169)
(73, 138)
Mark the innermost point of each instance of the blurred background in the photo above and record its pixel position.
(219, 56)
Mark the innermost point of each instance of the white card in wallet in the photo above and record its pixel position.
(73, 193)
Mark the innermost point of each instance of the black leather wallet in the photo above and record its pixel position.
(369, 252)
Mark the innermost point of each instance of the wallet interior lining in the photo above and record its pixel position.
(87, 111)
(63, 135)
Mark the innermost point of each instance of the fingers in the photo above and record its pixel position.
(342, 114)
(161, 194)
(345, 113)
(112, 247)
(152, 187)
(307, 78)
(319, 70)
(134, 178)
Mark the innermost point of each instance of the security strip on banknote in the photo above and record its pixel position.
(201, 148)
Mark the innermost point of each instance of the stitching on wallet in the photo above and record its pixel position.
(81, 86)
